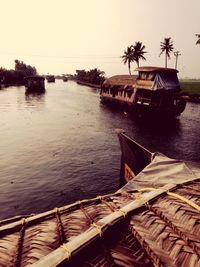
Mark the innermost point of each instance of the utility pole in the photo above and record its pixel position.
(198, 36)
(177, 54)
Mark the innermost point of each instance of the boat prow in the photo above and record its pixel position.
(136, 161)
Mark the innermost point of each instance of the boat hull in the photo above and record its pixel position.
(145, 111)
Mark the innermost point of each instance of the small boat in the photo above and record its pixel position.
(64, 78)
(34, 84)
(153, 220)
(50, 78)
(154, 92)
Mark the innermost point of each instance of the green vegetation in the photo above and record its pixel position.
(190, 87)
(17, 75)
(127, 58)
(93, 76)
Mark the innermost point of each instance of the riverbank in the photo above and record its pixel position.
(89, 84)
(191, 90)
(5, 85)
(194, 98)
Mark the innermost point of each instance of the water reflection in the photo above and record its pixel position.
(34, 96)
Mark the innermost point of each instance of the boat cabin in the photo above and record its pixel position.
(157, 86)
(35, 83)
(154, 89)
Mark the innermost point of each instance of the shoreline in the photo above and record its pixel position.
(192, 98)
(98, 86)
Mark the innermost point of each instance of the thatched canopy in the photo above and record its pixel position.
(121, 80)
(136, 226)
(156, 69)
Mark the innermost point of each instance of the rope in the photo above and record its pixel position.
(23, 221)
(98, 228)
(124, 213)
(60, 227)
(20, 243)
(67, 251)
(183, 199)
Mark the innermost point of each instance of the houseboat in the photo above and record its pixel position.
(153, 220)
(155, 91)
(50, 78)
(34, 84)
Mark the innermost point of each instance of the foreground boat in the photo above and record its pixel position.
(152, 221)
(154, 92)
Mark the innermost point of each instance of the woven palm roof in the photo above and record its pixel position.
(121, 80)
(155, 69)
(132, 227)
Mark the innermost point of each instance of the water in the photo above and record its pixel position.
(61, 146)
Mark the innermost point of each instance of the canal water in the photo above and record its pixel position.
(61, 146)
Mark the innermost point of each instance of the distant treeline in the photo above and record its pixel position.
(16, 75)
(93, 76)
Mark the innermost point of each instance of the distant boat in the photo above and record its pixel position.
(34, 84)
(65, 79)
(50, 78)
(155, 92)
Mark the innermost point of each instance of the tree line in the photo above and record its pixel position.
(93, 76)
(17, 75)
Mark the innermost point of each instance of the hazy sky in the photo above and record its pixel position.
(64, 35)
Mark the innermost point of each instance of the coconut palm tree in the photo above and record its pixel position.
(167, 47)
(128, 57)
(138, 52)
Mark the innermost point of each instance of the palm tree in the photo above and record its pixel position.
(167, 47)
(138, 52)
(128, 57)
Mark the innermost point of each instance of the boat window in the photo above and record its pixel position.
(151, 76)
(120, 90)
(105, 88)
(144, 97)
(142, 76)
(147, 76)
(129, 91)
(113, 90)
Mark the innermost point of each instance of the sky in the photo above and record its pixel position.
(61, 36)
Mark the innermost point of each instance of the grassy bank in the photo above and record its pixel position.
(191, 87)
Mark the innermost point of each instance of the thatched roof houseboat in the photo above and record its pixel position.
(154, 91)
(152, 221)
(35, 83)
(50, 78)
